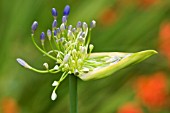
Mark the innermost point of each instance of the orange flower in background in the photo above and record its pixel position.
(130, 108)
(164, 40)
(146, 3)
(152, 90)
(9, 105)
(107, 17)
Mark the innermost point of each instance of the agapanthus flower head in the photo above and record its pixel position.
(70, 49)
(34, 26)
(66, 11)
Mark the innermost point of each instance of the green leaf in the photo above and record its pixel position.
(125, 59)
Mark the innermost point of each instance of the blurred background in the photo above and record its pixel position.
(122, 25)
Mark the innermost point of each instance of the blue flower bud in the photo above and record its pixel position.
(42, 36)
(58, 31)
(93, 24)
(49, 33)
(34, 26)
(79, 25)
(74, 30)
(23, 63)
(54, 12)
(54, 23)
(70, 27)
(66, 10)
(64, 19)
(55, 32)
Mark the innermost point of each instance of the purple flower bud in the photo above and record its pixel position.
(93, 24)
(34, 26)
(49, 33)
(42, 36)
(70, 27)
(66, 10)
(74, 30)
(55, 32)
(54, 23)
(64, 19)
(23, 63)
(54, 12)
(79, 24)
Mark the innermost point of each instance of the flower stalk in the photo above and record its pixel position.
(73, 94)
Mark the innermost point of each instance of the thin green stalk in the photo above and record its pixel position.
(73, 94)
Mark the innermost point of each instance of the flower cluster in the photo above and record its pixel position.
(70, 48)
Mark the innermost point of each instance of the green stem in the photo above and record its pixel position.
(41, 49)
(73, 94)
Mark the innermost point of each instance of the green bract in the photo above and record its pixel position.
(114, 61)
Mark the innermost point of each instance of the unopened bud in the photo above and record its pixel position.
(85, 26)
(93, 24)
(23, 63)
(55, 83)
(54, 24)
(66, 10)
(64, 19)
(54, 12)
(91, 47)
(46, 65)
(34, 26)
(49, 33)
(76, 72)
(56, 67)
(79, 25)
(66, 58)
(62, 27)
(53, 96)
